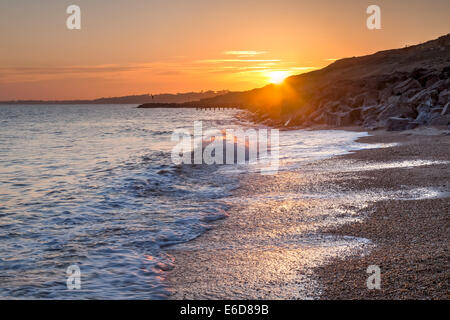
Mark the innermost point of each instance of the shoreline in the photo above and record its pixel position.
(410, 235)
(274, 256)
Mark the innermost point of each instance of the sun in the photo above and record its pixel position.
(277, 77)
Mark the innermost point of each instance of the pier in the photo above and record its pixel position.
(214, 108)
(190, 105)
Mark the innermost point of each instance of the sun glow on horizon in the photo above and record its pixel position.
(277, 77)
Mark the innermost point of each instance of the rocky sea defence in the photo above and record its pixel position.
(396, 90)
(398, 101)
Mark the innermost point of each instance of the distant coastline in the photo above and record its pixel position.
(164, 98)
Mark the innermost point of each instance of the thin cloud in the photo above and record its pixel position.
(70, 69)
(244, 53)
(236, 60)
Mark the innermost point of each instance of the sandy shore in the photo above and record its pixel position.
(411, 236)
(387, 207)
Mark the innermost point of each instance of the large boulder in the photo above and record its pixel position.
(339, 118)
(424, 112)
(444, 97)
(370, 99)
(370, 123)
(343, 108)
(296, 119)
(385, 94)
(371, 111)
(358, 100)
(393, 100)
(331, 106)
(438, 85)
(344, 119)
(429, 78)
(440, 120)
(424, 96)
(369, 115)
(316, 114)
(319, 119)
(355, 114)
(446, 109)
(409, 94)
(406, 85)
(329, 118)
(397, 110)
(399, 124)
(437, 110)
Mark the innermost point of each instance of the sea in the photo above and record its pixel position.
(95, 187)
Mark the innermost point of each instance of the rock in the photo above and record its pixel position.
(424, 107)
(294, 120)
(338, 118)
(439, 85)
(437, 110)
(446, 109)
(440, 120)
(358, 100)
(319, 119)
(369, 116)
(399, 124)
(393, 99)
(348, 118)
(406, 85)
(384, 95)
(343, 108)
(424, 96)
(424, 112)
(422, 118)
(431, 80)
(418, 73)
(398, 110)
(409, 94)
(371, 99)
(332, 119)
(444, 97)
(355, 114)
(315, 114)
(371, 111)
(344, 119)
(370, 123)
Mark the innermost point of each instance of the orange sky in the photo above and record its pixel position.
(155, 46)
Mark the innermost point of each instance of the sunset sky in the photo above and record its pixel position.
(158, 46)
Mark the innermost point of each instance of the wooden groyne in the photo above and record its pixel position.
(190, 105)
(214, 108)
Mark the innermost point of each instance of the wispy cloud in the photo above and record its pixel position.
(71, 69)
(236, 60)
(244, 53)
(331, 59)
(104, 71)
